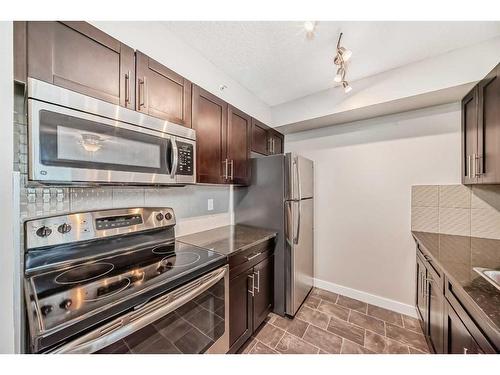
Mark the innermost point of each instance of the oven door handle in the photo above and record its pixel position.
(135, 320)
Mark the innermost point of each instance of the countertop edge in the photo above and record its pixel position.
(484, 318)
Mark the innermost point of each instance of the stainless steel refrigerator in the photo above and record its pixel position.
(281, 197)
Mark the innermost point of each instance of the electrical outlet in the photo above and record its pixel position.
(210, 204)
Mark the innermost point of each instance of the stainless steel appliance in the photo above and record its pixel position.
(281, 197)
(74, 138)
(117, 281)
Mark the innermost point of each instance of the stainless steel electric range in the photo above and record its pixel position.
(117, 281)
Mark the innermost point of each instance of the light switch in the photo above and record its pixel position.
(210, 204)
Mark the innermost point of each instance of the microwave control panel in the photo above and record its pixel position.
(186, 162)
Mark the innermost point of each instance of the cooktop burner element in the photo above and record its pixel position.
(84, 273)
(163, 249)
(180, 259)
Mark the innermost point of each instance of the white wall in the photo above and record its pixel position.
(7, 342)
(363, 177)
(157, 41)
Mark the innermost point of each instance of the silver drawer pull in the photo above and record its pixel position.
(466, 350)
(254, 256)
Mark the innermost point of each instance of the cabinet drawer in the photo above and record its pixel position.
(454, 299)
(247, 258)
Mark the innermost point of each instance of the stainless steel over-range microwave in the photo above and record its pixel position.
(77, 139)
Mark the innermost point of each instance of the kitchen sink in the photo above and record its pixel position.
(492, 276)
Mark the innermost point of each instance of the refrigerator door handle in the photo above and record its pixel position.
(297, 174)
(296, 237)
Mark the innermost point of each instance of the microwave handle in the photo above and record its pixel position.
(175, 158)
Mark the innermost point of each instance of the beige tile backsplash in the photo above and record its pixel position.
(456, 209)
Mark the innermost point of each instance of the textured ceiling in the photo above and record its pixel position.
(276, 62)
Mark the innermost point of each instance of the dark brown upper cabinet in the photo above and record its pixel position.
(481, 132)
(238, 146)
(210, 123)
(275, 142)
(81, 58)
(161, 92)
(222, 138)
(260, 142)
(266, 141)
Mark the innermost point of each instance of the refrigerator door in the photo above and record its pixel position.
(299, 177)
(299, 252)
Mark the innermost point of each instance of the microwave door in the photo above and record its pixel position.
(70, 146)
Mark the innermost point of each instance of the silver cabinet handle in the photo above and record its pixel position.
(474, 164)
(466, 350)
(127, 88)
(251, 290)
(232, 168)
(479, 166)
(257, 288)
(269, 145)
(253, 256)
(431, 280)
(175, 154)
(468, 173)
(226, 166)
(141, 88)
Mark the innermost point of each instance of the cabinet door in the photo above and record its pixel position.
(458, 339)
(260, 142)
(210, 123)
(238, 146)
(240, 309)
(469, 137)
(161, 92)
(435, 301)
(421, 291)
(275, 143)
(488, 152)
(263, 291)
(80, 57)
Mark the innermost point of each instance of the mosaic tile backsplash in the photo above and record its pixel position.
(456, 209)
(37, 200)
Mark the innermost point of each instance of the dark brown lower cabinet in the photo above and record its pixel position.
(448, 327)
(435, 301)
(458, 340)
(263, 290)
(240, 309)
(250, 292)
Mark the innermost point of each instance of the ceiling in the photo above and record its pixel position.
(277, 63)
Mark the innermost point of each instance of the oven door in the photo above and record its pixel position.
(69, 146)
(192, 319)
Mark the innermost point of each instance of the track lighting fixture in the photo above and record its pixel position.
(343, 54)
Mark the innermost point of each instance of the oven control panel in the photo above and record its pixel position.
(118, 221)
(186, 156)
(65, 229)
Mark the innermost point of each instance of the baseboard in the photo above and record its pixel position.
(367, 297)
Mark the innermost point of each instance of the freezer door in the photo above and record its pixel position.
(299, 177)
(300, 248)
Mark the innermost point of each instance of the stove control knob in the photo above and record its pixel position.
(159, 216)
(66, 304)
(168, 216)
(64, 228)
(46, 309)
(43, 231)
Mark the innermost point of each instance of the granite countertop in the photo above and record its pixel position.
(229, 239)
(457, 256)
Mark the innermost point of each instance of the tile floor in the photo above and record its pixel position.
(332, 323)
